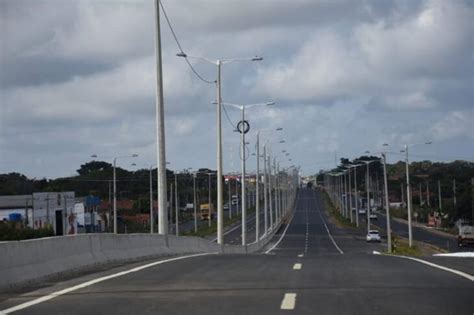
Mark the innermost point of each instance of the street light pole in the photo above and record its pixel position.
(410, 237)
(160, 130)
(176, 205)
(257, 193)
(265, 189)
(195, 203)
(151, 199)
(242, 152)
(115, 197)
(220, 189)
(387, 205)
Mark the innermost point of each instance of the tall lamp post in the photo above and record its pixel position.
(220, 188)
(387, 205)
(409, 206)
(368, 192)
(243, 131)
(115, 184)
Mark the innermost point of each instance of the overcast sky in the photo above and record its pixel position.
(77, 78)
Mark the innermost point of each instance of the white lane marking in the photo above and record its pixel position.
(282, 236)
(300, 255)
(332, 239)
(92, 282)
(297, 266)
(457, 272)
(288, 302)
(234, 228)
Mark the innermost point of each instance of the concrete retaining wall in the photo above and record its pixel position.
(24, 262)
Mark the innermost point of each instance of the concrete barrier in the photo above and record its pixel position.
(25, 262)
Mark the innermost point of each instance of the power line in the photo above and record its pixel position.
(228, 118)
(181, 49)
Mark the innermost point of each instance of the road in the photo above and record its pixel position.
(310, 267)
(419, 234)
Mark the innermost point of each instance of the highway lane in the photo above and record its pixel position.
(420, 234)
(305, 273)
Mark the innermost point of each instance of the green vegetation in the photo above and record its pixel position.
(206, 230)
(400, 247)
(13, 231)
(335, 213)
(424, 175)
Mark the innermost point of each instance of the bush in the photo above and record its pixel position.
(11, 231)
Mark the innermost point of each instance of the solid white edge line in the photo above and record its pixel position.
(283, 235)
(329, 233)
(91, 282)
(234, 228)
(288, 302)
(457, 272)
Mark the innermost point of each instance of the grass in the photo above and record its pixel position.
(206, 230)
(400, 247)
(334, 212)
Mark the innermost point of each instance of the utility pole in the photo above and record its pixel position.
(195, 203)
(428, 194)
(160, 129)
(387, 204)
(454, 193)
(439, 196)
(257, 194)
(170, 212)
(176, 203)
(350, 194)
(244, 205)
(230, 199)
(151, 201)
(356, 197)
(265, 188)
(209, 200)
(421, 194)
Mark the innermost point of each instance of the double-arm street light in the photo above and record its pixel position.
(220, 197)
(243, 130)
(115, 183)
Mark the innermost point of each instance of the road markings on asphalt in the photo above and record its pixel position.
(94, 281)
(282, 235)
(301, 255)
(457, 272)
(297, 266)
(288, 302)
(233, 229)
(329, 233)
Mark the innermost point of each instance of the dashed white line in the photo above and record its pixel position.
(301, 255)
(297, 266)
(288, 302)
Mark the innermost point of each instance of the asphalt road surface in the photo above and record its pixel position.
(310, 267)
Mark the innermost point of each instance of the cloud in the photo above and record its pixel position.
(79, 78)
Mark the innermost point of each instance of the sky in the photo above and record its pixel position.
(78, 77)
